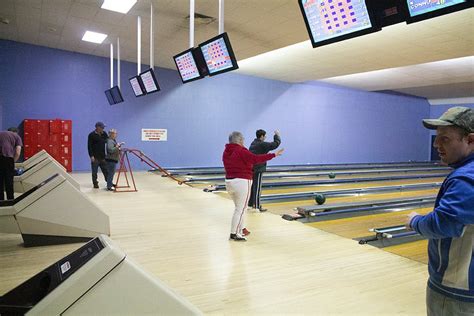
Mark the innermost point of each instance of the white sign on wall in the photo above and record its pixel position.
(154, 135)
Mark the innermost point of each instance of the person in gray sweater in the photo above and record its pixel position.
(260, 146)
(112, 157)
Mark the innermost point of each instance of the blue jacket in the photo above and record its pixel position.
(450, 229)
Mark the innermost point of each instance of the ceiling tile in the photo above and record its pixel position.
(28, 11)
(28, 3)
(7, 8)
(60, 7)
(55, 19)
(106, 16)
(83, 11)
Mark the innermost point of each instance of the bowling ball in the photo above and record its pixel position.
(320, 199)
(331, 175)
(18, 171)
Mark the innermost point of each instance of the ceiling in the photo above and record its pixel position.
(269, 39)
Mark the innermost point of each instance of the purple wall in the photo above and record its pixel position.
(319, 123)
(437, 110)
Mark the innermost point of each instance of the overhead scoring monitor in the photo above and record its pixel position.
(218, 55)
(190, 65)
(137, 86)
(114, 95)
(329, 21)
(109, 96)
(149, 81)
(419, 10)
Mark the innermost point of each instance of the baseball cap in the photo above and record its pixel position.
(456, 116)
(100, 124)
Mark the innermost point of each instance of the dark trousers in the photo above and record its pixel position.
(438, 304)
(95, 168)
(7, 172)
(256, 190)
(111, 166)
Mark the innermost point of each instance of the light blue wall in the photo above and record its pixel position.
(319, 123)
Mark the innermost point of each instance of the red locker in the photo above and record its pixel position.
(39, 148)
(55, 126)
(43, 127)
(66, 151)
(29, 151)
(66, 139)
(60, 139)
(29, 138)
(52, 135)
(55, 139)
(66, 126)
(35, 139)
(66, 162)
(54, 151)
(43, 139)
(29, 126)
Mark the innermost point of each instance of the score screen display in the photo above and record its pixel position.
(187, 66)
(333, 18)
(137, 89)
(417, 7)
(149, 82)
(217, 56)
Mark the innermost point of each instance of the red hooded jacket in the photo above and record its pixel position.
(239, 161)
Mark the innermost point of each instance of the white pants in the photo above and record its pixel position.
(239, 190)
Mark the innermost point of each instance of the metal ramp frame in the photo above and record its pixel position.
(125, 168)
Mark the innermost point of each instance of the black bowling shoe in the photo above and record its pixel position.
(237, 237)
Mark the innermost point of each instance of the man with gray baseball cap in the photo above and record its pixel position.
(450, 226)
(459, 116)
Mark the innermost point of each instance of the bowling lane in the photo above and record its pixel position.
(358, 227)
(416, 250)
(355, 185)
(281, 208)
(296, 178)
(323, 174)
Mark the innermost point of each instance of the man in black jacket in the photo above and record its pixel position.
(260, 146)
(96, 143)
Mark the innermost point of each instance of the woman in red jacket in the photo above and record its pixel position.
(238, 164)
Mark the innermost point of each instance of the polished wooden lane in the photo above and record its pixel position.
(289, 176)
(357, 227)
(180, 234)
(336, 186)
(281, 208)
(307, 187)
(417, 250)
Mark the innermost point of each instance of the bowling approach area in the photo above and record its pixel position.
(367, 203)
(179, 235)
